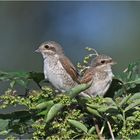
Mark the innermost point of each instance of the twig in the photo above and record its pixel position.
(84, 68)
(96, 53)
(102, 129)
(110, 129)
(98, 130)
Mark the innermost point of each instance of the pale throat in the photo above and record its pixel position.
(105, 68)
(48, 59)
(108, 70)
(50, 55)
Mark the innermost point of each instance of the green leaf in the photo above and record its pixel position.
(5, 132)
(78, 125)
(124, 100)
(20, 78)
(3, 124)
(13, 75)
(102, 109)
(108, 109)
(129, 74)
(132, 105)
(131, 118)
(21, 74)
(119, 116)
(91, 130)
(93, 106)
(109, 101)
(94, 112)
(36, 76)
(112, 109)
(44, 112)
(135, 96)
(53, 112)
(45, 104)
(136, 81)
(12, 84)
(77, 89)
(21, 82)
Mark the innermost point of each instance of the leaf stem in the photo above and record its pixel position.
(102, 129)
(110, 129)
(124, 122)
(98, 130)
(130, 82)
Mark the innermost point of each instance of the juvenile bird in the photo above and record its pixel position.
(58, 69)
(99, 75)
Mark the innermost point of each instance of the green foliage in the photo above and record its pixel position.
(45, 114)
(21, 78)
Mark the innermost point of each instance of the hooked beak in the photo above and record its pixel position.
(113, 63)
(38, 50)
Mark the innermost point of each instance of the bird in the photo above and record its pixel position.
(58, 69)
(99, 75)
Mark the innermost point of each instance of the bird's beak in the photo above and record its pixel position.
(113, 63)
(38, 50)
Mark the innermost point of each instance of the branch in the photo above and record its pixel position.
(110, 129)
(98, 130)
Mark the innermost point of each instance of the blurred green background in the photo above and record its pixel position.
(111, 28)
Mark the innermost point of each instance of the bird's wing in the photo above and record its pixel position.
(69, 67)
(88, 76)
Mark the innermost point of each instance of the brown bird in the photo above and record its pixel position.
(58, 69)
(99, 75)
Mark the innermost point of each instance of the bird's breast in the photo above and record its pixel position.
(100, 84)
(57, 75)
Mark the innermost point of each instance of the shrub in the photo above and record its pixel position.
(42, 113)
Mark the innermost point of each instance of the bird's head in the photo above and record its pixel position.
(102, 61)
(50, 48)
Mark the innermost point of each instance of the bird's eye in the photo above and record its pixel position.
(102, 61)
(46, 46)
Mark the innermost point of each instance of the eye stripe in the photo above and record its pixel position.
(52, 48)
(109, 61)
(49, 48)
